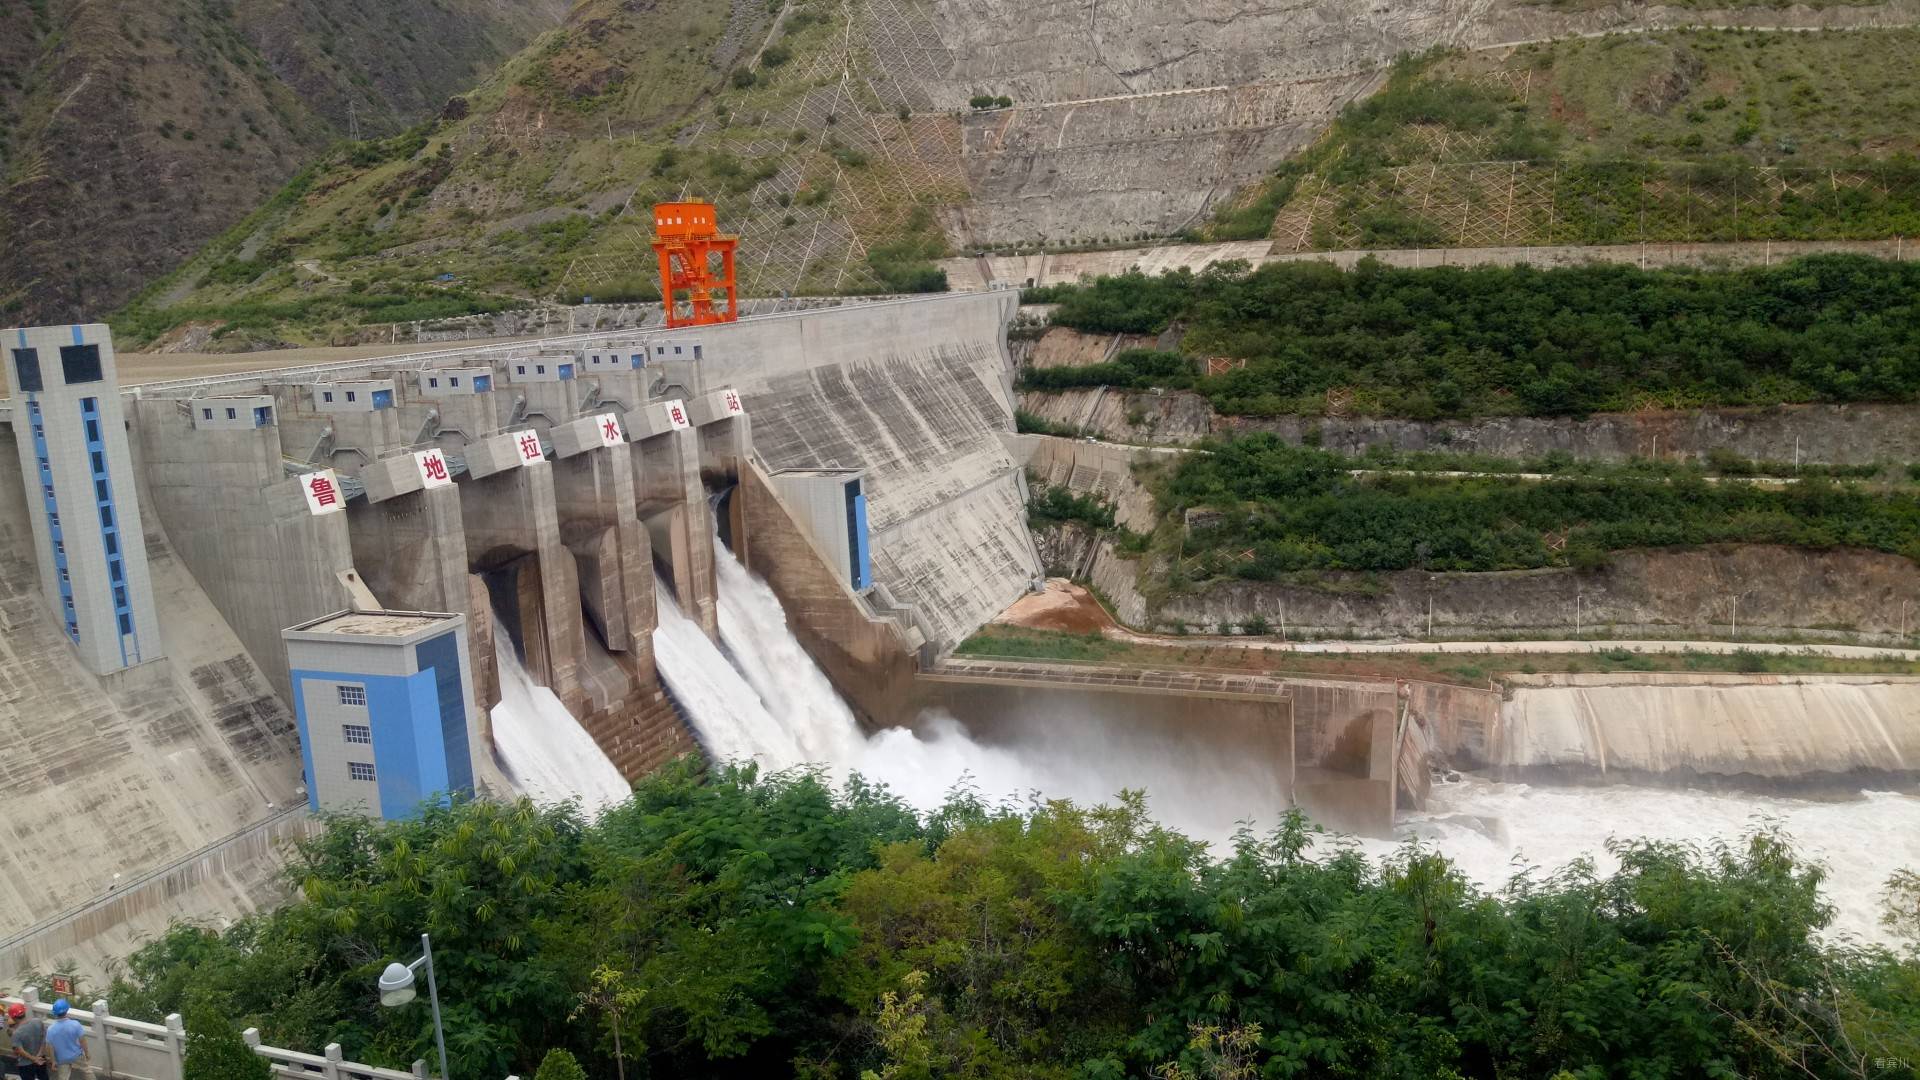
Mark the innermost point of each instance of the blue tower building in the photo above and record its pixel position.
(384, 704)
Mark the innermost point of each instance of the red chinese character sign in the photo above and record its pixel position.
(609, 427)
(676, 411)
(731, 398)
(527, 445)
(433, 468)
(323, 493)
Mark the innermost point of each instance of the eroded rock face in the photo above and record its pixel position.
(1136, 117)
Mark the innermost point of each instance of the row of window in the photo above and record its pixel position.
(52, 506)
(78, 364)
(356, 734)
(109, 530)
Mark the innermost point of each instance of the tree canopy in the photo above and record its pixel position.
(1450, 341)
(739, 925)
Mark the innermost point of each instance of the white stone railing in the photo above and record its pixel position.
(136, 1050)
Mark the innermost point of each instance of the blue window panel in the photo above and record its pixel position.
(383, 399)
(639, 360)
(862, 558)
(80, 364)
(482, 383)
(27, 363)
(263, 416)
(566, 371)
(442, 656)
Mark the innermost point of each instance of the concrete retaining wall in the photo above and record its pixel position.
(866, 658)
(918, 395)
(1791, 730)
(222, 881)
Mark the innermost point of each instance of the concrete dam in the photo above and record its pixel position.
(547, 568)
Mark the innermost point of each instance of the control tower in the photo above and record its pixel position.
(696, 260)
(73, 456)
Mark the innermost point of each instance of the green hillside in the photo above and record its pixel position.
(132, 134)
(1675, 136)
(526, 189)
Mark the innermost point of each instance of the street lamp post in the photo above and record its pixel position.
(396, 989)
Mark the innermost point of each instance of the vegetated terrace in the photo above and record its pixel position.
(1299, 508)
(1450, 342)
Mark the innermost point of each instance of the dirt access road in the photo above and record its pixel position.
(1071, 608)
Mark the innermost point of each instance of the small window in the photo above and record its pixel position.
(233, 414)
(326, 395)
(206, 414)
(115, 572)
(353, 695)
(119, 596)
(100, 491)
(60, 546)
(99, 462)
(351, 396)
(539, 369)
(106, 517)
(676, 350)
(53, 518)
(520, 369)
(696, 352)
(27, 363)
(359, 770)
(89, 406)
(126, 623)
(64, 579)
(80, 364)
(433, 382)
(453, 381)
(48, 489)
(357, 733)
(93, 431)
(113, 544)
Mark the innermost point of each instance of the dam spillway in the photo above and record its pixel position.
(553, 499)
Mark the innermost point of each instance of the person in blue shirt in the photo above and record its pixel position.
(68, 1042)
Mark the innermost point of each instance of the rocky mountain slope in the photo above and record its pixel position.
(849, 142)
(133, 133)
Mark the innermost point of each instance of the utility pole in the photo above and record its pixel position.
(1576, 614)
(1903, 620)
(1429, 616)
(1736, 614)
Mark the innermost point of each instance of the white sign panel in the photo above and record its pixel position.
(731, 398)
(609, 427)
(526, 445)
(433, 468)
(323, 493)
(676, 413)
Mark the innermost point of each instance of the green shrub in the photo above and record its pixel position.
(560, 1065)
(215, 1050)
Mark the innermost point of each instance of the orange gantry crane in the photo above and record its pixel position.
(696, 264)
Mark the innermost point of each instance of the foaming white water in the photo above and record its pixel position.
(1492, 830)
(765, 699)
(544, 751)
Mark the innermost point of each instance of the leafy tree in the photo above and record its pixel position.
(560, 1065)
(215, 1050)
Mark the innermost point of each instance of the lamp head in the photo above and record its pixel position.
(396, 985)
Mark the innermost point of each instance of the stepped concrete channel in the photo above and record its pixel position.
(171, 788)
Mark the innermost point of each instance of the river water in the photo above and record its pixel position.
(761, 697)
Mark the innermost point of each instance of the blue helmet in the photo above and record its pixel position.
(60, 1008)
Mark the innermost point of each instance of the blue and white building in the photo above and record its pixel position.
(384, 702)
(87, 536)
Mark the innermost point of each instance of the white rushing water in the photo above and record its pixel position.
(765, 699)
(1492, 830)
(545, 753)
